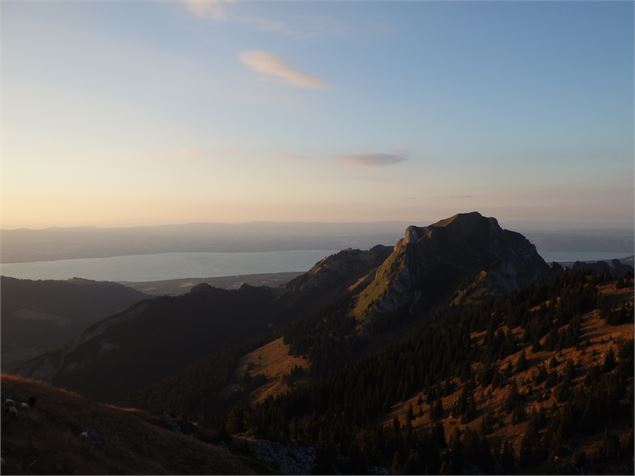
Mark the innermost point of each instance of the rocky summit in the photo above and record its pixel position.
(462, 255)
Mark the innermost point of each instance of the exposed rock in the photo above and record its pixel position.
(466, 253)
(338, 270)
(287, 458)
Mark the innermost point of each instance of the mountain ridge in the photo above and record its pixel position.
(42, 315)
(465, 256)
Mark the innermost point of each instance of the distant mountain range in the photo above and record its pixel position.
(175, 287)
(20, 245)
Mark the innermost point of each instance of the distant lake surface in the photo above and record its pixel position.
(155, 267)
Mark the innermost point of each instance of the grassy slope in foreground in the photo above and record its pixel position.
(46, 439)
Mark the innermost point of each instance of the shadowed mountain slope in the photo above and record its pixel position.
(164, 336)
(156, 338)
(38, 316)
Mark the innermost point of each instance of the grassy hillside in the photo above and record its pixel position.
(45, 439)
(272, 367)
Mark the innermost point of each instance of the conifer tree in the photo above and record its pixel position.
(521, 363)
(436, 410)
(609, 361)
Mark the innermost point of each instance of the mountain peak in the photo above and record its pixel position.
(339, 270)
(200, 288)
(460, 223)
(433, 261)
(464, 219)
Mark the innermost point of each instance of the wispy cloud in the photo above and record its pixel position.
(374, 159)
(220, 10)
(210, 9)
(302, 26)
(271, 65)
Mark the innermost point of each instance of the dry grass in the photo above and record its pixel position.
(378, 287)
(45, 439)
(272, 361)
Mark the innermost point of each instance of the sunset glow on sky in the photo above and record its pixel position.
(134, 113)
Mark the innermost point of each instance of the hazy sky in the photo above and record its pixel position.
(129, 113)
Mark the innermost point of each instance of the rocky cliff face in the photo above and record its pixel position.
(463, 255)
(337, 272)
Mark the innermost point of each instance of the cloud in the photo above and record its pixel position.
(209, 9)
(218, 10)
(373, 159)
(272, 65)
(299, 25)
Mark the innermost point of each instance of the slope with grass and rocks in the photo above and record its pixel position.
(62, 433)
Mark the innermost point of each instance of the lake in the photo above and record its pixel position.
(161, 266)
(154, 267)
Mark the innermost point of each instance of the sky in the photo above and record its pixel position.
(122, 113)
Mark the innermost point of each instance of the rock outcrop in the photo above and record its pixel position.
(463, 255)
